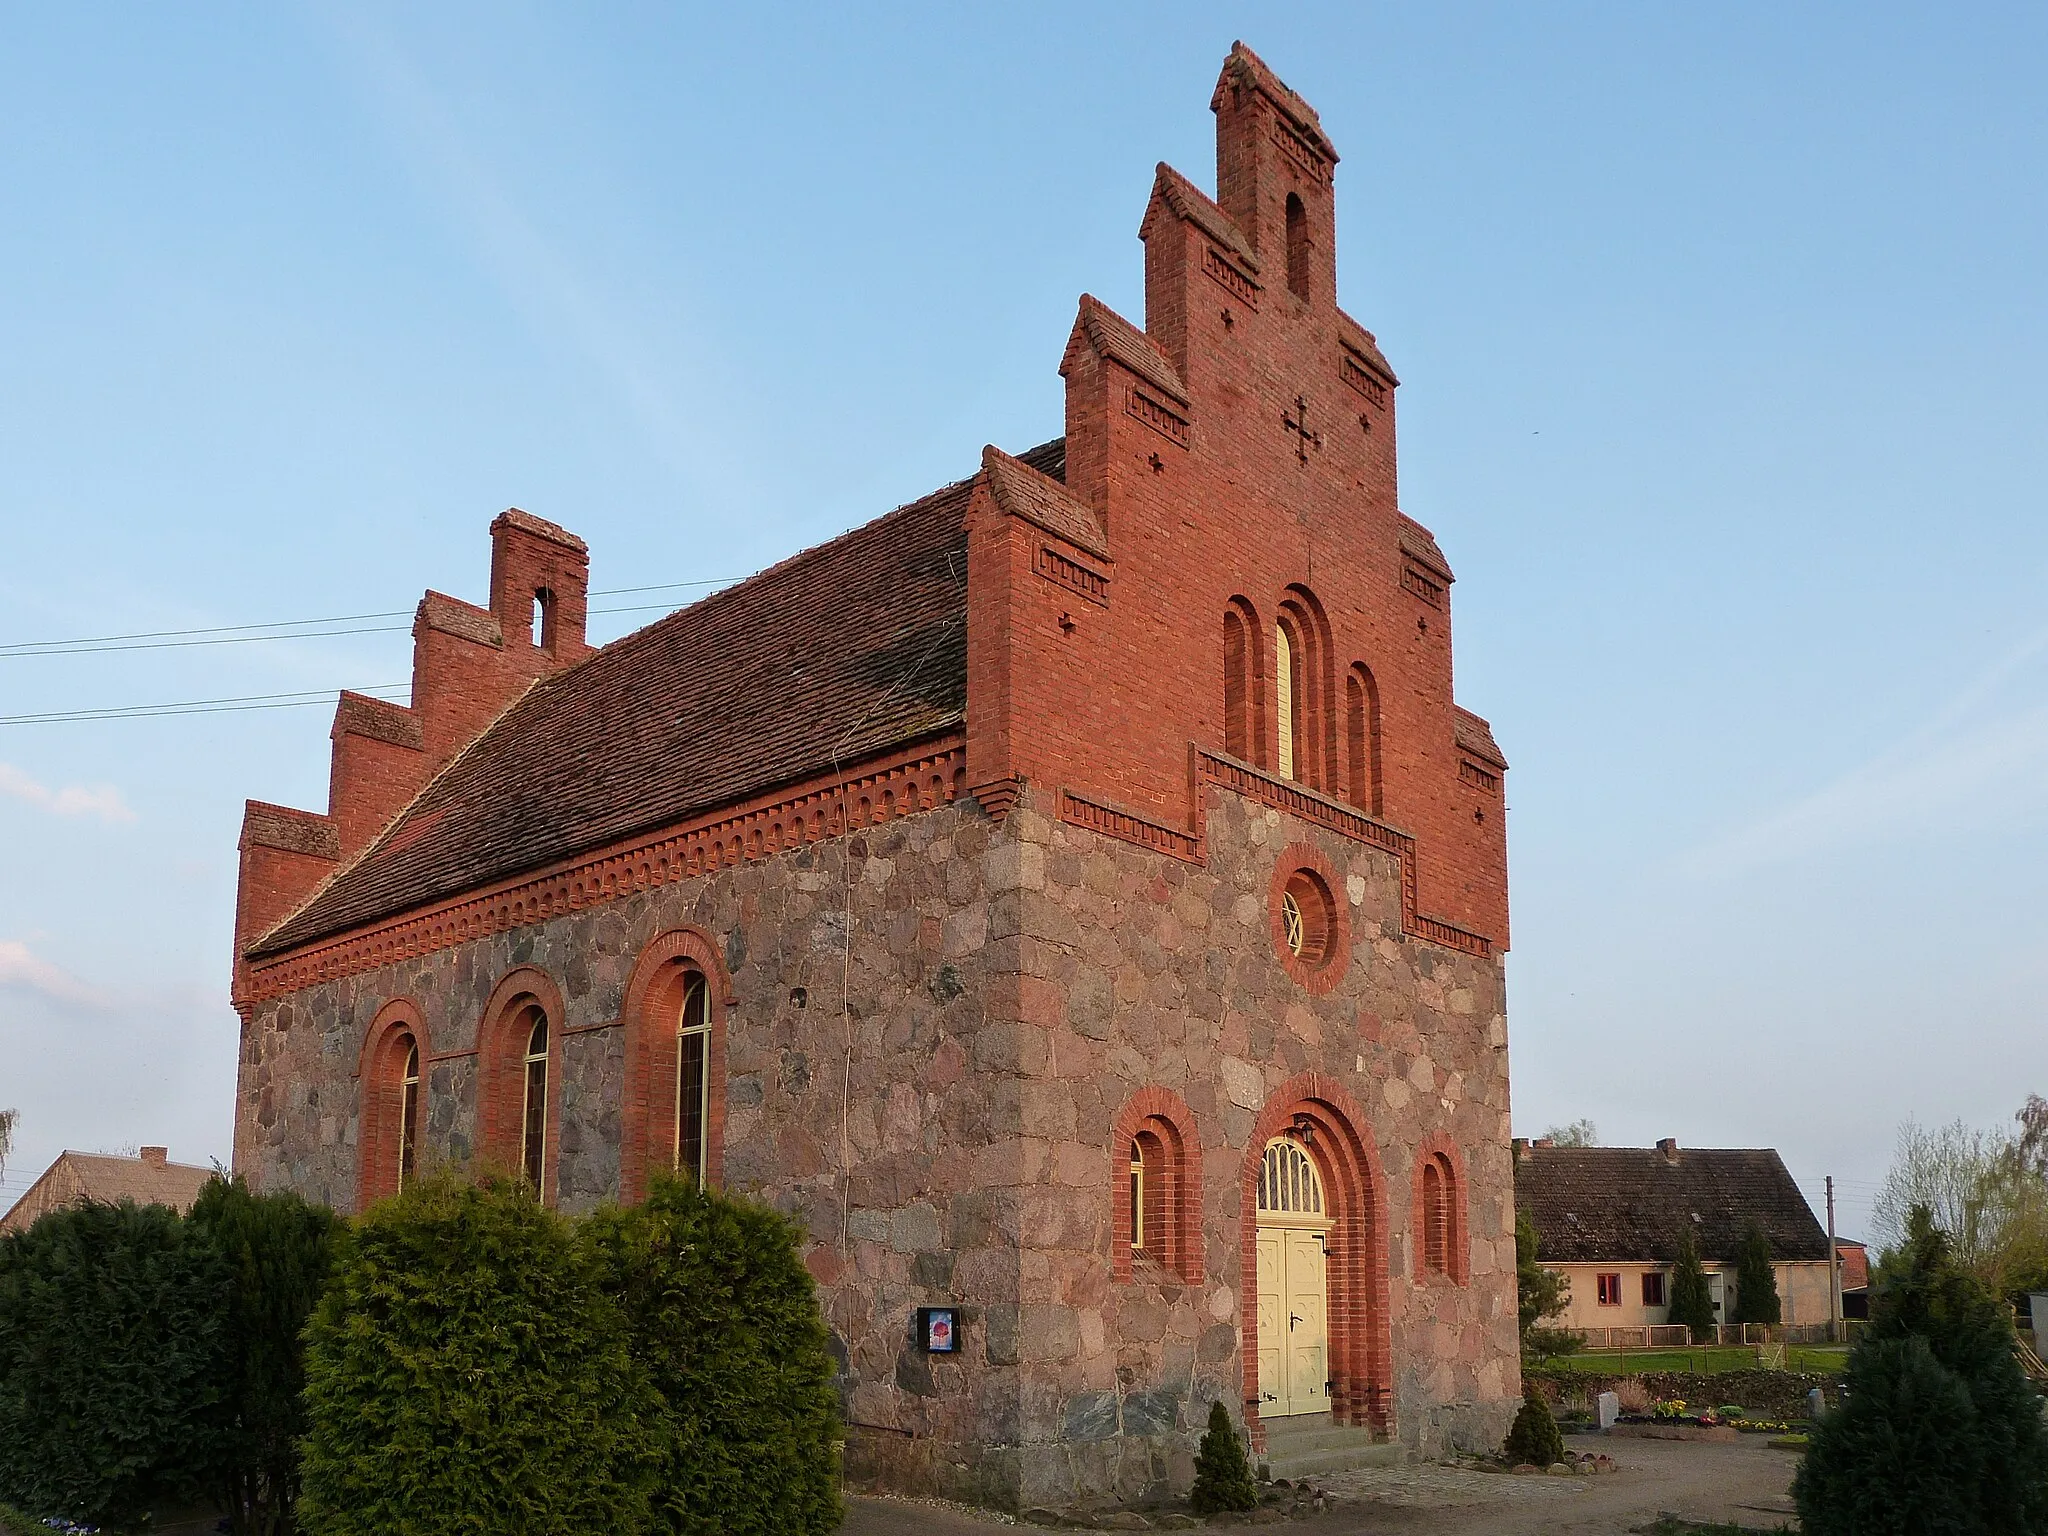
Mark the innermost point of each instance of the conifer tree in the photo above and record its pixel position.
(1756, 1282)
(1223, 1473)
(1692, 1303)
(1535, 1439)
(1540, 1292)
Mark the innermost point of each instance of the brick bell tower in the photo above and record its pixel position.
(1231, 508)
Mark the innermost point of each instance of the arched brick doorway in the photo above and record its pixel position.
(1316, 1114)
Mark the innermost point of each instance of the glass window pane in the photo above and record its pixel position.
(690, 1104)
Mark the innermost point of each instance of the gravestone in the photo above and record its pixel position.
(1610, 1410)
(1815, 1403)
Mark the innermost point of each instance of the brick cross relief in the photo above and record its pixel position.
(1298, 425)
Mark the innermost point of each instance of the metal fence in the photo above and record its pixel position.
(1678, 1336)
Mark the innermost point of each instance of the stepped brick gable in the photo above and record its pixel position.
(1092, 921)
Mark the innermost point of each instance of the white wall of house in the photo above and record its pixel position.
(1802, 1293)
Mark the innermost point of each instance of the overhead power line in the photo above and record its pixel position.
(291, 629)
(298, 700)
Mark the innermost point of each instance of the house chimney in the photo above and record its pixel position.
(1543, 1141)
(1669, 1147)
(155, 1157)
(1521, 1146)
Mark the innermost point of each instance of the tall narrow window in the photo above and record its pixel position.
(693, 1079)
(1297, 246)
(409, 1114)
(534, 1122)
(1137, 1197)
(544, 619)
(1283, 693)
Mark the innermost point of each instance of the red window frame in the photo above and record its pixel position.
(1654, 1294)
(1609, 1287)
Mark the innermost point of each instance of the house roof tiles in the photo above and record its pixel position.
(1626, 1204)
(76, 1177)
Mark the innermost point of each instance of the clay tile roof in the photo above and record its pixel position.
(1419, 542)
(1041, 500)
(838, 653)
(1475, 735)
(1248, 68)
(1366, 345)
(1192, 204)
(80, 1176)
(1624, 1205)
(1112, 336)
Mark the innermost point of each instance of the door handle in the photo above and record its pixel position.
(1292, 1320)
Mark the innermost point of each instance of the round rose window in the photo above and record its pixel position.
(1306, 917)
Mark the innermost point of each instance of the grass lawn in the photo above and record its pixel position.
(1705, 1360)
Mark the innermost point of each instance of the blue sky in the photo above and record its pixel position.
(1719, 331)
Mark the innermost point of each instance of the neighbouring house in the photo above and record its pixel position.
(1076, 897)
(1609, 1219)
(76, 1177)
(1855, 1277)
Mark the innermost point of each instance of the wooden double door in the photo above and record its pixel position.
(1294, 1290)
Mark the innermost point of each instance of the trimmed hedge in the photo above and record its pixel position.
(277, 1250)
(723, 1318)
(466, 1373)
(112, 1323)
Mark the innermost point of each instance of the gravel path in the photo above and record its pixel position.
(1745, 1484)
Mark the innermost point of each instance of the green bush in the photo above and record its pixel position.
(1991, 1432)
(1756, 1282)
(465, 1373)
(111, 1328)
(1692, 1303)
(276, 1251)
(1223, 1473)
(723, 1319)
(1534, 1438)
(1540, 1346)
(1903, 1454)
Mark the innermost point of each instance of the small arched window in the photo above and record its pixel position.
(544, 618)
(1236, 686)
(1439, 1214)
(534, 1106)
(1297, 246)
(1436, 1217)
(1157, 1196)
(693, 1078)
(1289, 1183)
(409, 1114)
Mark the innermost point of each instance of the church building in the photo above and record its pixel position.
(1090, 929)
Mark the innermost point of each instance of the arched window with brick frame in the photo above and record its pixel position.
(1438, 1218)
(675, 1009)
(1155, 1184)
(1362, 739)
(391, 1079)
(1297, 246)
(1244, 692)
(519, 1076)
(1305, 716)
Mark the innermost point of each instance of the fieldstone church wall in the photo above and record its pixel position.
(934, 1026)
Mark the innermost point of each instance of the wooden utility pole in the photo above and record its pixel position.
(1834, 1269)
